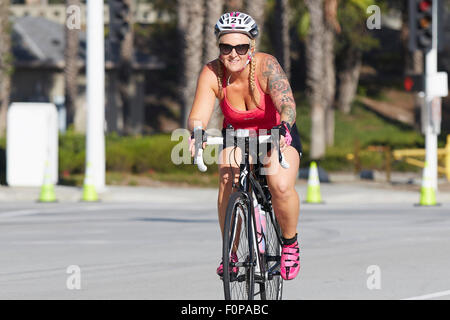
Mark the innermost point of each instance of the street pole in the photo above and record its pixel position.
(95, 138)
(431, 130)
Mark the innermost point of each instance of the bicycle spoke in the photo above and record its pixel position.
(274, 282)
(238, 275)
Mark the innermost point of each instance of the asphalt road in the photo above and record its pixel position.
(167, 246)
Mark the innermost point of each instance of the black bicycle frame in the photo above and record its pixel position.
(247, 182)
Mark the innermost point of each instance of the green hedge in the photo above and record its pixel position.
(72, 153)
(152, 154)
(123, 154)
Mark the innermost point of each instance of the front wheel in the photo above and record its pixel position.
(274, 283)
(238, 254)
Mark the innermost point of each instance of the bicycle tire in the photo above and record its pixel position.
(272, 259)
(236, 240)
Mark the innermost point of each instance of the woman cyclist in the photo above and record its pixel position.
(254, 93)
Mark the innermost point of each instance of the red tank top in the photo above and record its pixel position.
(265, 116)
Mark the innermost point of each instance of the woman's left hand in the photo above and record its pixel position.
(284, 135)
(283, 144)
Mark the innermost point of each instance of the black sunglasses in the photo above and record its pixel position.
(241, 49)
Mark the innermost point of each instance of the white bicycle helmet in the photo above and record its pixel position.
(236, 22)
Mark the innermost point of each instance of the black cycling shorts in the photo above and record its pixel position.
(296, 143)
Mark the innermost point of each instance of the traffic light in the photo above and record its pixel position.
(414, 83)
(119, 24)
(421, 19)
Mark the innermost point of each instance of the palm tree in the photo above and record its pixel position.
(282, 40)
(126, 79)
(331, 26)
(348, 79)
(353, 40)
(214, 9)
(234, 5)
(190, 26)
(314, 62)
(182, 23)
(71, 67)
(255, 8)
(5, 63)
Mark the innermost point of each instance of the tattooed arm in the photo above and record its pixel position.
(279, 88)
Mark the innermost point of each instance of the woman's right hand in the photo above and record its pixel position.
(197, 134)
(192, 146)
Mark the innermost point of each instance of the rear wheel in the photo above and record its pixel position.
(238, 253)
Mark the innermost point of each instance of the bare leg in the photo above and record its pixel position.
(285, 200)
(226, 176)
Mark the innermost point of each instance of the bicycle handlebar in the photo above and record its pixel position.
(219, 141)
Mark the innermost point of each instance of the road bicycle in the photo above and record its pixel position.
(251, 248)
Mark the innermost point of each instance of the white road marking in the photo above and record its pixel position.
(18, 213)
(99, 207)
(431, 295)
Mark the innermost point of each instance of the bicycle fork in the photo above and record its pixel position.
(259, 268)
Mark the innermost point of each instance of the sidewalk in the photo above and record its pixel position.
(345, 188)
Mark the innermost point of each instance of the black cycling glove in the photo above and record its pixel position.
(285, 131)
(197, 133)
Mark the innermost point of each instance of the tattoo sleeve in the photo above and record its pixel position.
(279, 89)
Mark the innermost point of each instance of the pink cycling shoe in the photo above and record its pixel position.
(290, 261)
(234, 270)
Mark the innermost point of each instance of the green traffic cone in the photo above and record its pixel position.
(89, 192)
(313, 191)
(427, 197)
(427, 192)
(47, 190)
(47, 193)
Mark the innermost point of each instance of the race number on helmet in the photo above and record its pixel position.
(236, 22)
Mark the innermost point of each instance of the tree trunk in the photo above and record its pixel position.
(127, 85)
(182, 23)
(331, 26)
(41, 2)
(314, 62)
(214, 9)
(190, 20)
(348, 79)
(234, 5)
(255, 8)
(5, 63)
(282, 40)
(71, 68)
(329, 84)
